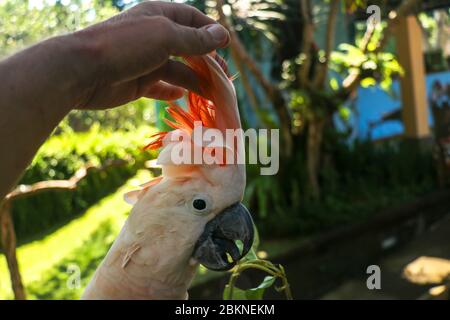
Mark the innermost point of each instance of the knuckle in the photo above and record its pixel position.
(145, 5)
(151, 7)
(160, 26)
(163, 25)
(161, 29)
(147, 8)
(203, 40)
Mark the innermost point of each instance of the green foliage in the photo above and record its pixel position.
(23, 24)
(56, 282)
(353, 5)
(259, 17)
(37, 258)
(251, 261)
(249, 294)
(430, 26)
(357, 181)
(128, 117)
(374, 67)
(433, 26)
(59, 159)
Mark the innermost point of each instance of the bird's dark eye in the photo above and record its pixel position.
(199, 204)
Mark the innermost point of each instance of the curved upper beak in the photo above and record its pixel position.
(216, 248)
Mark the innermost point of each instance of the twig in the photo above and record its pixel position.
(70, 184)
(8, 242)
(329, 44)
(308, 30)
(8, 237)
(265, 266)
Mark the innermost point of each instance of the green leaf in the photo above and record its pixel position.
(345, 113)
(334, 84)
(258, 292)
(238, 294)
(249, 294)
(367, 82)
(251, 255)
(350, 48)
(256, 240)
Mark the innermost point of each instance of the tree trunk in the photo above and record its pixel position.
(8, 241)
(286, 143)
(321, 75)
(307, 40)
(313, 154)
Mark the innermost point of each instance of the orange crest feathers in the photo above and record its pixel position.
(199, 109)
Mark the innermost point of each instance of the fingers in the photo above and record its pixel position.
(166, 83)
(179, 74)
(177, 12)
(175, 73)
(189, 30)
(164, 91)
(133, 48)
(197, 41)
(112, 96)
(131, 52)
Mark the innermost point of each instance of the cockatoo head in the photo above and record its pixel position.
(198, 205)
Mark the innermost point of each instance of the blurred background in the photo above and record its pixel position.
(360, 92)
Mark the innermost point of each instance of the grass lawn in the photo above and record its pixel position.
(37, 258)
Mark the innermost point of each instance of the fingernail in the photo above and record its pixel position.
(219, 33)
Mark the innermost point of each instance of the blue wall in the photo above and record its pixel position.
(373, 102)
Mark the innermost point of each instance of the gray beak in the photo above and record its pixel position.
(216, 248)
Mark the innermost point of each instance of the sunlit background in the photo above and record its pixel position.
(365, 152)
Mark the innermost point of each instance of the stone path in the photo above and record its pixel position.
(434, 243)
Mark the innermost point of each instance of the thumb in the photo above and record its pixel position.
(197, 41)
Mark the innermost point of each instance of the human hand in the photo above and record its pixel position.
(129, 55)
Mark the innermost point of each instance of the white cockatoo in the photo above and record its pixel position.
(192, 213)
